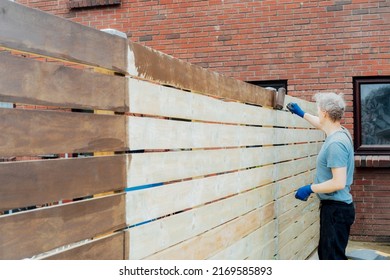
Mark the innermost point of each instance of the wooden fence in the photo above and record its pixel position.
(156, 158)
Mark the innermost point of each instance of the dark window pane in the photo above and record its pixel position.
(375, 114)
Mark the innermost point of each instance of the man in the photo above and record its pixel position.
(334, 176)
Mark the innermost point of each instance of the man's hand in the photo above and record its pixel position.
(295, 109)
(304, 192)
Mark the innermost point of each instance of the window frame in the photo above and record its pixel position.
(360, 148)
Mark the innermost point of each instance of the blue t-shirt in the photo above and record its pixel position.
(337, 151)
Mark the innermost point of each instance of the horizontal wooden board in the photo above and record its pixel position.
(150, 64)
(291, 168)
(28, 183)
(151, 203)
(213, 241)
(292, 249)
(153, 99)
(156, 167)
(185, 225)
(296, 228)
(291, 216)
(33, 132)
(147, 204)
(309, 107)
(33, 232)
(49, 84)
(148, 168)
(110, 247)
(309, 248)
(251, 244)
(34, 31)
(290, 184)
(265, 252)
(153, 133)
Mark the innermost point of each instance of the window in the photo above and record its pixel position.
(372, 115)
(74, 4)
(274, 84)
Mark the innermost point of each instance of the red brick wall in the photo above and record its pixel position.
(315, 45)
(371, 193)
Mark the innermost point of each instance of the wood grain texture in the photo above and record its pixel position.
(148, 204)
(177, 228)
(29, 233)
(49, 84)
(28, 183)
(149, 168)
(33, 132)
(295, 246)
(296, 228)
(291, 216)
(210, 243)
(150, 64)
(153, 99)
(259, 244)
(111, 247)
(34, 31)
(154, 133)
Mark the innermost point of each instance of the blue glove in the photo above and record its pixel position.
(295, 109)
(304, 192)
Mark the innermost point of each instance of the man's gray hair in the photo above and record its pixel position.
(331, 103)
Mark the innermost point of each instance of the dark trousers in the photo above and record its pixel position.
(336, 219)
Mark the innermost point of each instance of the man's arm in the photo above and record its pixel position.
(336, 183)
(313, 120)
(295, 109)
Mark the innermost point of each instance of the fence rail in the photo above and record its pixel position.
(155, 158)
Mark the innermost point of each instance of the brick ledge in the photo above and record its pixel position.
(372, 161)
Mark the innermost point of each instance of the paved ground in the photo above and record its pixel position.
(382, 249)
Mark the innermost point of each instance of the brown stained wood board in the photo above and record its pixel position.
(34, 132)
(112, 247)
(26, 234)
(31, 183)
(34, 31)
(153, 65)
(33, 82)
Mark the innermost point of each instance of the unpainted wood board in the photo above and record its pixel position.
(287, 202)
(49, 84)
(152, 237)
(292, 249)
(34, 31)
(149, 64)
(290, 184)
(296, 228)
(110, 247)
(285, 118)
(34, 132)
(150, 203)
(309, 248)
(29, 183)
(265, 252)
(253, 242)
(291, 216)
(290, 168)
(156, 167)
(26, 234)
(155, 133)
(147, 204)
(207, 244)
(309, 107)
(154, 99)
(283, 136)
